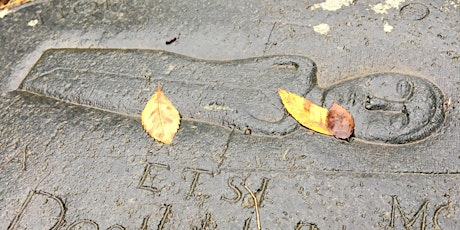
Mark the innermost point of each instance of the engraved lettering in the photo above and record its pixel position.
(408, 222)
(60, 11)
(62, 209)
(77, 224)
(116, 226)
(436, 215)
(196, 177)
(145, 222)
(164, 219)
(146, 174)
(247, 224)
(238, 193)
(301, 224)
(248, 202)
(24, 160)
(208, 223)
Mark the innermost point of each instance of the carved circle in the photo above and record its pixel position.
(84, 7)
(414, 11)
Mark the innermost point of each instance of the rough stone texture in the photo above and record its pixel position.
(74, 155)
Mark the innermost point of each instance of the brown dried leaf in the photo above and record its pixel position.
(340, 122)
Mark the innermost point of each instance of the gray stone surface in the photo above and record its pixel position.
(73, 83)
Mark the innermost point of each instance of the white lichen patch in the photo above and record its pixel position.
(382, 8)
(170, 69)
(33, 23)
(322, 29)
(449, 5)
(217, 108)
(332, 5)
(387, 28)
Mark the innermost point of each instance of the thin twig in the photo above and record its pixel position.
(255, 205)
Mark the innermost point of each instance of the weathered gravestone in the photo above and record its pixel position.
(74, 154)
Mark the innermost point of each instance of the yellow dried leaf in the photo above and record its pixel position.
(305, 112)
(160, 118)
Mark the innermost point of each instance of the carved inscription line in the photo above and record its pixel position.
(301, 224)
(256, 205)
(116, 226)
(196, 176)
(338, 171)
(84, 221)
(25, 153)
(247, 223)
(227, 144)
(62, 209)
(164, 219)
(145, 222)
(206, 223)
(238, 193)
(420, 214)
(248, 201)
(436, 214)
(146, 173)
(408, 222)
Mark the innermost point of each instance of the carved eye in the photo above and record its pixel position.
(404, 89)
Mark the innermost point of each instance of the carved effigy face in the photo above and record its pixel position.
(390, 107)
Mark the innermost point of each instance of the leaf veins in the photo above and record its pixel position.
(160, 118)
